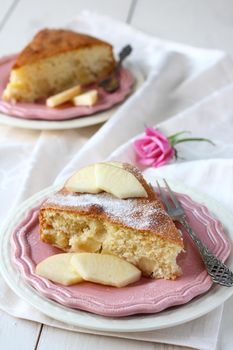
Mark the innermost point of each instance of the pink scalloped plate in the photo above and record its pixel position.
(39, 111)
(145, 296)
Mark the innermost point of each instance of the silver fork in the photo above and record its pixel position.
(218, 271)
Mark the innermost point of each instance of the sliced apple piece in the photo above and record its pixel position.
(84, 180)
(62, 97)
(57, 268)
(105, 269)
(115, 163)
(110, 177)
(87, 99)
(118, 181)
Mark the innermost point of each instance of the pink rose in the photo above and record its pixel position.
(153, 149)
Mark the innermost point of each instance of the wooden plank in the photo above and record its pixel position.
(64, 340)
(196, 22)
(5, 10)
(17, 334)
(30, 16)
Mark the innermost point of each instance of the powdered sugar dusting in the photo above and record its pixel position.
(140, 214)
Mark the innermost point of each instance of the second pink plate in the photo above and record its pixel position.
(39, 111)
(145, 296)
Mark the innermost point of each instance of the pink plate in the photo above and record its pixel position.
(145, 296)
(41, 112)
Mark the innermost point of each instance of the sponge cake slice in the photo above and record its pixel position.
(56, 60)
(136, 229)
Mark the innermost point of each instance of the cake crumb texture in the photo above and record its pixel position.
(137, 230)
(56, 60)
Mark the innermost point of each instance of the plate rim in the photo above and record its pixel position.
(152, 304)
(80, 122)
(167, 318)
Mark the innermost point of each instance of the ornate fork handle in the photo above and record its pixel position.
(219, 272)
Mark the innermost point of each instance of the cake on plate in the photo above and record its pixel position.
(109, 208)
(56, 60)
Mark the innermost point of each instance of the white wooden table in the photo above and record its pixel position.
(196, 22)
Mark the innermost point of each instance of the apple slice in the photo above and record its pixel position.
(88, 98)
(105, 269)
(62, 97)
(111, 177)
(115, 163)
(84, 180)
(58, 269)
(118, 181)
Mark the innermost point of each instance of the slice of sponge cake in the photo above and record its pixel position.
(136, 229)
(56, 60)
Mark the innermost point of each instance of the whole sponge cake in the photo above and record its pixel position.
(55, 60)
(135, 229)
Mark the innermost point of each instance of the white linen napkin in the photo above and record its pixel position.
(184, 89)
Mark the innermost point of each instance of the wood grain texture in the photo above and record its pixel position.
(200, 23)
(66, 340)
(71, 341)
(30, 16)
(6, 8)
(17, 334)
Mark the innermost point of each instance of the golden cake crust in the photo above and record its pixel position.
(50, 42)
(145, 215)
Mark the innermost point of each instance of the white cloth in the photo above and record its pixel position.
(184, 89)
